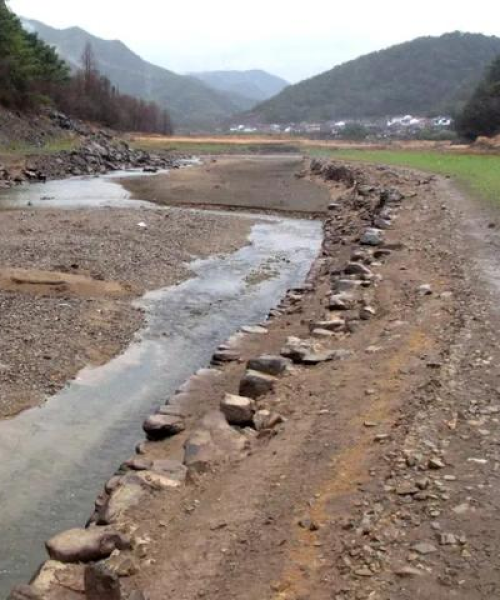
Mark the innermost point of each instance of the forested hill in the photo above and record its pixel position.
(426, 76)
(191, 103)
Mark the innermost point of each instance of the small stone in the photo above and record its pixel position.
(424, 548)
(425, 290)
(448, 539)
(436, 464)
(254, 330)
(159, 427)
(372, 237)
(406, 489)
(367, 313)
(407, 572)
(255, 384)
(85, 545)
(238, 410)
(269, 364)
(342, 302)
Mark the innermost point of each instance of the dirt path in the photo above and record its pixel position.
(382, 481)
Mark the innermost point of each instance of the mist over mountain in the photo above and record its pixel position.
(191, 102)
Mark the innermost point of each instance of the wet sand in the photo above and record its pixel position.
(267, 183)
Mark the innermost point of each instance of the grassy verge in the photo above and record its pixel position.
(478, 173)
(17, 149)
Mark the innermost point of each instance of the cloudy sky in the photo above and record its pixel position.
(290, 38)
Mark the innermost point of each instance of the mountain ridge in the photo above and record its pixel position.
(192, 103)
(425, 75)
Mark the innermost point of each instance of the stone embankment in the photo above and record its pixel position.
(95, 560)
(96, 152)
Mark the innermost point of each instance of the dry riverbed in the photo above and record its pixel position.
(68, 278)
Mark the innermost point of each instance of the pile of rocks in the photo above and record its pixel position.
(98, 152)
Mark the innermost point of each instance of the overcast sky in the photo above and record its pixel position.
(294, 39)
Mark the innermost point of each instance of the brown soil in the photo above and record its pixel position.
(256, 183)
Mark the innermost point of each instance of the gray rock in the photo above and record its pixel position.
(122, 499)
(424, 548)
(85, 545)
(367, 313)
(101, 583)
(271, 365)
(159, 427)
(342, 302)
(346, 286)
(254, 330)
(238, 410)
(357, 268)
(225, 356)
(372, 237)
(255, 384)
(331, 325)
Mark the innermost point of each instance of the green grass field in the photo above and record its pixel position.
(479, 174)
(51, 147)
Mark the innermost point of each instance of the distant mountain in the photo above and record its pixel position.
(254, 85)
(192, 104)
(426, 76)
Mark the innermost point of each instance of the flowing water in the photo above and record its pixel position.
(55, 459)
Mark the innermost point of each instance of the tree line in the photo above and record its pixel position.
(481, 115)
(31, 74)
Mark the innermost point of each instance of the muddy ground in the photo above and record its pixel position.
(382, 482)
(255, 183)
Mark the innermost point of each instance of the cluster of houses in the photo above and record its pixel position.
(406, 126)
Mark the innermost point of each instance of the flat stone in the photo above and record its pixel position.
(342, 302)
(153, 479)
(255, 384)
(408, 572)
(322, 333)
(238, 410)
(85, 545)
(357, 268)
(315, 358)
(331, 325)
(160, 427)
(424, 548)
(254, 330)
(346, 285)
(269, 364)
(225, 356)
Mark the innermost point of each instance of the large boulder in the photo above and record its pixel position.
(255, 384)
(238, 410)
(271, 365)
(85, 545)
